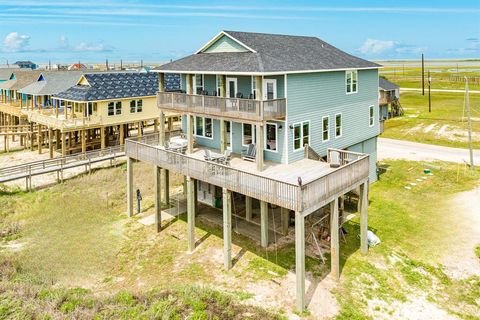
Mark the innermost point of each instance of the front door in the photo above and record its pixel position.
(231, 87)
(269, 89)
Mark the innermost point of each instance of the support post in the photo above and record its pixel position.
(122, 134)
(64, 144)
(50, 142)
(223, 136)
(158, 197)
(39, 139)
(300, 260)
(364, 217)
(161, 134)
(285, 220)
(227, 228)
(334, 243)
(166, 186)
(248, 208)
(191, 213)
(259, 145)
(102, 137)
(130, 186)
(83, 137)
(264, 223)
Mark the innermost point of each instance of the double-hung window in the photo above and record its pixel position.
(248, 135)
(118, 107)
(351, 81)
(371, 116)
(111, 108)
(301, 135)
(203, 127)
(325, 128)
(338, 125)
(136, 106)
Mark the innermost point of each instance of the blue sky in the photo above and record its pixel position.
(87, 30)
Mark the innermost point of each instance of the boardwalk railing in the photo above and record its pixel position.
(27, 170)
(306, 198)
(242, 109)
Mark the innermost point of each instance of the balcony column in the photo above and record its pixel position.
(227, 228)
(189, 133)
(223, 87)
(259, 88)
(191, 213)
(161, 135)
(129, 186)
(334, 243)
(363, 216)
(158, 197)
(259, 146)
(161, 82)
(223, 136)
(190, 84)
(300, 260)
(264, 224)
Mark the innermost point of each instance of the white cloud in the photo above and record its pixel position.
(375, 47)
(15, 42)
(92, 47)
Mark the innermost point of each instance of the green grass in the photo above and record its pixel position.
(414, 237)
(411, 77)
(447, 110)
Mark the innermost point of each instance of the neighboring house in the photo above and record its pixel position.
(388, 95)
(172, 82)
(77, 66)
(9, 90)
(282, 102)
(26, 65)
(6, 73)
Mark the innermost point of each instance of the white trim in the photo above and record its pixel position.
(227, 87)
(341, 125)
(274, 73)
(328, 129)
(218, 36)
(265, 137)
(204, 126)
(301, 123)
(371, 107)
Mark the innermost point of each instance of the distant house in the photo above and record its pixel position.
(77, 66)
(26, 65)
(388, 94)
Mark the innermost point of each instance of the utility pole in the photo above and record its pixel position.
(423, 77)
(469, 124)
(121, 64)
(106, 63)
(429, 85)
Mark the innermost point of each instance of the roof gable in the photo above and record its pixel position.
(83, 81)
(224, 42)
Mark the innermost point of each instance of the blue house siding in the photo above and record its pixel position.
(312, 96)
(210, 83)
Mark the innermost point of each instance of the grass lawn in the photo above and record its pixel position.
(411, 77)
(69, 251)
(445, 125)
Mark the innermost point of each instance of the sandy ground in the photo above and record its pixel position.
(460, 260)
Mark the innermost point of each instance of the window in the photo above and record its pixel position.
(301, 135)
(351, 81)
(199, 83)
(203, 127)
(372, 116)
(136, 106)
(220, 85)
(271, 137)
(248, 134)
(118, 107)
(111, 108)
(338, 125)
(254, 87)
(325, 129)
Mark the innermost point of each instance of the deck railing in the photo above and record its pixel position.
(236, 108)
(54, 122)
(306, 198)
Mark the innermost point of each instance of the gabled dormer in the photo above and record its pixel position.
(224, 42)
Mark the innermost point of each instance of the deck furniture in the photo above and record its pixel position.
(250, 153)
(227, 157)
(334, 159)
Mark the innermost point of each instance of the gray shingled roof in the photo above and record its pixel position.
(387, 85)
(53, 83)
(22, 79)
(274, 53)
(5, 73)
(112, 85)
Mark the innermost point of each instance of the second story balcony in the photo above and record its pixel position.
(229, 108)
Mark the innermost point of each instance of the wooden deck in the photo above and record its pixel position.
(277, 184)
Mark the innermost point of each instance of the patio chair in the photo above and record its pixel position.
(227, 157)
(214, 93)
(250, 153)
(208, 155)
(239, 95)
(334, 159)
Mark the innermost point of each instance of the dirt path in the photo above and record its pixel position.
(461, 261)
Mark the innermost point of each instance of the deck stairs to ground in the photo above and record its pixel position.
(312, 154)
(396, 107)
(58, 165)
